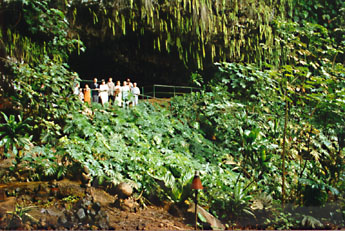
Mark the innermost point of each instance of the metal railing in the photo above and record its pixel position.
(167, 91)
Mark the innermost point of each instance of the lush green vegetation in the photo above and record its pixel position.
(266, 132)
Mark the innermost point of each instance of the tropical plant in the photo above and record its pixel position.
(310, 221)
(44, 163)
(274, 128)
(281, 220)
(21, 213)
(15, 134)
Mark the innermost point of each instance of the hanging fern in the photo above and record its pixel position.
(246, 27)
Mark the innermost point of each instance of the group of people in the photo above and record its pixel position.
(110, 92)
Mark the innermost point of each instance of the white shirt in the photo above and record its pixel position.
(125, 90)
(103, 88)
(135, 90)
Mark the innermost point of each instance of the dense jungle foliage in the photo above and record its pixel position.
(266, 131)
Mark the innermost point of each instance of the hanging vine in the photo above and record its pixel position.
(242, 30)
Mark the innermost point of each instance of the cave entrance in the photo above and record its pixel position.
(122, 58)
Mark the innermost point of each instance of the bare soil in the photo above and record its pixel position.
(55, 205)
(41, 210)
(33, 205)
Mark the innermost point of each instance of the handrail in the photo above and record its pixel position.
(161, 85)
(174, 89)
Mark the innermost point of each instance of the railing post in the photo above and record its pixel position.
(174, 91)
(154, 91)
(142, 92)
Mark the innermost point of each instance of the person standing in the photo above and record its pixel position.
(111, 91)
(136, 92)
(118, 93)
(94, 90)
(76, 89)
(87, 94)
(103, 92)
(81, 95)
(129, 83)
(125, 94)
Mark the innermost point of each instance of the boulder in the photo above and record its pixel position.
(124, 190)
(68, 188)
(47, 217)
(214, 223)
(101, 197)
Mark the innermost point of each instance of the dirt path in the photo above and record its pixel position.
(150, 218)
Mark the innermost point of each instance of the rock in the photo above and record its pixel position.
(63, 220)
(81, 214)
(103, 223)
(54, 212)
(73, 219)
(89, 220)
(93, 212)
(128, 204)
(101, 197)
(86, 227)
(33, 187)
(210, 219)
(96, 206)
(8, 205)
(26, 198)
(124, 190)
(34, 227)
(97, 217)
(2, 195)
(51, 216)
(18, 190)
(43, 224)
(27, 226)
(42, 194)
(121, 205)
(141, 226)
(68, 188)
(86, 169)
(86, 179)
(5, 221)
(102, 213)
(85, 214)
(86, 202)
